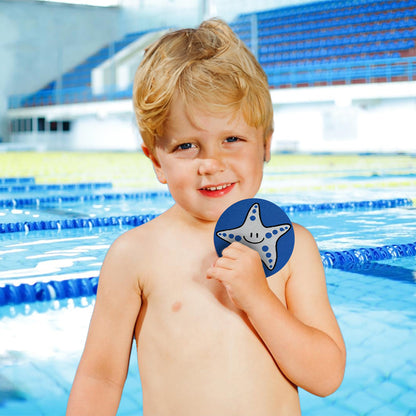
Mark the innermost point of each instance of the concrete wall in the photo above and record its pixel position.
(146, 14)
(39, 41)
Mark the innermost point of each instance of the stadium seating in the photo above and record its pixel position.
(334, 42)
(75, 85)
(323, 43)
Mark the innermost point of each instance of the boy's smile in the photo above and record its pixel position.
(216, 191)
(209, 160)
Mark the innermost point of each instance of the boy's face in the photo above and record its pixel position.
(209, 160)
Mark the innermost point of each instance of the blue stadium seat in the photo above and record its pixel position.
(315, 35)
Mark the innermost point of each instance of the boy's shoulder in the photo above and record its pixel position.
(303, 237)
(140, 242)
(138, 237)
(133, 254)
(305, 256)
(305, 249)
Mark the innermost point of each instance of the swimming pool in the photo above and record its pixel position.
(373, 292)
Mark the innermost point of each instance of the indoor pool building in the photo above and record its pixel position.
(73, 178)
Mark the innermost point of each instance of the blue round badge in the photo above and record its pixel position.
(260, 225)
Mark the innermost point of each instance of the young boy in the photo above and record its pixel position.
(213, 335)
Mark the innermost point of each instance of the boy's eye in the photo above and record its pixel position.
(232, 139)
(185, 146)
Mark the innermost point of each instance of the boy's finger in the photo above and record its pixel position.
(234, 250)
(225, 263)
(214, 273)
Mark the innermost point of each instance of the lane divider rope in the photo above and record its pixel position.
(54, 199)
(31, 187)
(130, 220)
(135, 220)
(360, 256)
(15, 181)
(83, 287)
(350, 205)
(47, 291)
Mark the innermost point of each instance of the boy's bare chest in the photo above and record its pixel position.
(177, 288)
(189, 326)
(179, 281)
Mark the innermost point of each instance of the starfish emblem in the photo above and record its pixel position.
(257, 236)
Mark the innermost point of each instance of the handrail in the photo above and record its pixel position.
(66, 96)
(343, 71)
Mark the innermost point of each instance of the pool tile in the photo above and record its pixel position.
(408, 399)
(363, 402)
(389, 409)
(387, 391)
(20, 409)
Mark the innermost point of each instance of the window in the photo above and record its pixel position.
(53, 126)
(20, 125)
(14, 125)
(41, 124)
(66, 125)
(28, 124)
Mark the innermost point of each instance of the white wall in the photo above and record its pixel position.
(387, 126)
(354, 118)
(114, 132)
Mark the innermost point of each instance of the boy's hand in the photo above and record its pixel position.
(241, 272)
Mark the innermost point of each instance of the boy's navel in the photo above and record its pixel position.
(176, 306)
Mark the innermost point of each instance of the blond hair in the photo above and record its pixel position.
(208, 66)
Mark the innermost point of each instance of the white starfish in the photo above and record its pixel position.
(255, 235)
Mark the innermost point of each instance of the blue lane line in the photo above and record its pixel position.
(135, 220)
(27, 202)
(47, 291)
(131, 220)
(342, 206)
(359, 256)
(17, 181)
(73, 288)
(31, 187)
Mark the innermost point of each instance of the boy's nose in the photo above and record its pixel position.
(211, 165)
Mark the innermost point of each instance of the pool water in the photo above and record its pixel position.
(374, 301)
(378, 320)
(22, 208)
(43, 254)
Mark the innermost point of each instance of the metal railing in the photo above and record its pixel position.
(280, 76)
(345, 72)
(65, 96)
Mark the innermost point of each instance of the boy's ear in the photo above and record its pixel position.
(156, 165)
(267, 148)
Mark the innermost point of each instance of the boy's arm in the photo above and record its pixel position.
(304, 338)
(104, 364)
